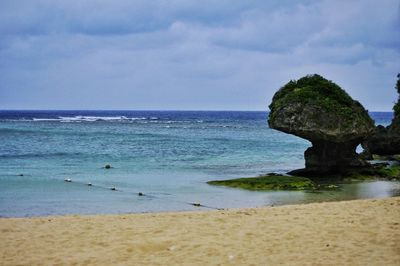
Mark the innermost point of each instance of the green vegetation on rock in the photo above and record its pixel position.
(318, 110)
(394, 157)
(398, 83)
(331, 182)
(378, 171)
(267, 182)
(316, 90)
(396, 107)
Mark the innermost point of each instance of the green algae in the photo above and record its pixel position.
(379, 171)
(313, 184)
(267, 182)
(318, 91)
(394, 157)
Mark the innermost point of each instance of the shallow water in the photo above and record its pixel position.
(166, 155)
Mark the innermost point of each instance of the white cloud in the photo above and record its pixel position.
(192, 54)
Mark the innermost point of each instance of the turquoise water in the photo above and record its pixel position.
(168, 156)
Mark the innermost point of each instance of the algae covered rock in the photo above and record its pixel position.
(267, 182)
(320, 111)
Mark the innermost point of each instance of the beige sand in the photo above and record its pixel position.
(362, 232)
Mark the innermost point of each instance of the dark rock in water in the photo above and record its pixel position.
(386, 140)
(273, 174)
(318, 110)
(107, 166)
(383, 141)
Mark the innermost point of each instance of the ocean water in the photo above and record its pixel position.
(167, 155)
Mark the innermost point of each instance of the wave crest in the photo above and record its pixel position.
(82, 118)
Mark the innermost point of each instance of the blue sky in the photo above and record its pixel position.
(192, 55)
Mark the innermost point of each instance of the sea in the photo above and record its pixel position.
(53, 162)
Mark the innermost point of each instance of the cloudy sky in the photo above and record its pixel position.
(192, 55)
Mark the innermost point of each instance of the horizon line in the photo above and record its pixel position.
(159, 110)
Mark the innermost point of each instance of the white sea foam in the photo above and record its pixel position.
(93, 118)
(141, 119)
(82, 118)
(43, 119)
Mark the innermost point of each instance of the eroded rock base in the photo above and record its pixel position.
(330, 157)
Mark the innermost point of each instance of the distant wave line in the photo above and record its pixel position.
(82, 118)
(39, 155)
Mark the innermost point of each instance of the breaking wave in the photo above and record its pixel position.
(82, 118)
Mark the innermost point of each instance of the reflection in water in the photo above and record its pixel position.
(378, 189)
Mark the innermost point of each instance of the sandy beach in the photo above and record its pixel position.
(360, 232)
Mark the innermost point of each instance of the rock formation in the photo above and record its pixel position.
(318, 110)
(385, 141)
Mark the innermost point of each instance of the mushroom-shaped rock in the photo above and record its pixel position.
(318, 110)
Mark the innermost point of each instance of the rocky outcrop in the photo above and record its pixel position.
(318, 110)
(385, 140)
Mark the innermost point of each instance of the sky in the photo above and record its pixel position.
(192, 55)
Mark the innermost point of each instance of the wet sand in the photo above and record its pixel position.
(360, 232)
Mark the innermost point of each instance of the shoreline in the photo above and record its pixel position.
(353, 232)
